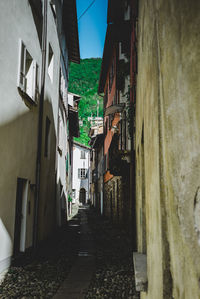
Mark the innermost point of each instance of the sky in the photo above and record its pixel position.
(92, 27)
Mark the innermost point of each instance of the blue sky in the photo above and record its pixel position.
(92, 27)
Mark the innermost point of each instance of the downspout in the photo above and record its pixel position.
(40, 126)
(103, 185)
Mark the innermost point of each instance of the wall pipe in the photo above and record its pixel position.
(40, 126)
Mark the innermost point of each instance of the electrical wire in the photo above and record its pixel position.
(86, 9)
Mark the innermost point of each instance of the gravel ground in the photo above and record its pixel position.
(41, 277)
(114, 276)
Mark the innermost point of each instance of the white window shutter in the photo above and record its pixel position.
(35, 82)
(21, 68)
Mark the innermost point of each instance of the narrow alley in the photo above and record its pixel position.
(89, 258)
(100, 149)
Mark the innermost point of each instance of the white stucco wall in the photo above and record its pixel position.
(61, 165)
(18, 123)
(47, 213)
(77, 183)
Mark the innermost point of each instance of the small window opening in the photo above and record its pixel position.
(82, 154)
(50, 63)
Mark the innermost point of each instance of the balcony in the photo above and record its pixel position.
(114, 109)
(117, 165)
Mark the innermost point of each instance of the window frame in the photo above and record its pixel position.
(83, 154)
(23, 76)
(73, 193)
(82, 173)
(50, 69)
(111, 75)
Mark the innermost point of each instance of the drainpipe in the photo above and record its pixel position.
(40, 125)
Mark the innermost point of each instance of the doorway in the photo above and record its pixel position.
(82, 196)
(20, 216)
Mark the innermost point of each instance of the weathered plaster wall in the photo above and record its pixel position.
(167, 146)
(18, 123)
(116, 201)
(113, 201)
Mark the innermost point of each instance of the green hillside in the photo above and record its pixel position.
(83, 80)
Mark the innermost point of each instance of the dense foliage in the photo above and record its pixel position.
(83, 80)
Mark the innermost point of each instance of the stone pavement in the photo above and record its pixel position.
(77, 283)
(88, 258)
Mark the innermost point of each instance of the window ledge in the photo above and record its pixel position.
(140, 269)
(27, 99)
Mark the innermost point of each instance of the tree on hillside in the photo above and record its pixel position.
(84, 80)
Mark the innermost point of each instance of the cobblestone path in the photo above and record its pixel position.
(112, 273)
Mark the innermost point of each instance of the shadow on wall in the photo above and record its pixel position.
(47, 208)
(18, 153)
(61, 205)
(17, 160)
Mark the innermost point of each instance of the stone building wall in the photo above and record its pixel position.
(167, 146)
(116, 201)
(113, 200)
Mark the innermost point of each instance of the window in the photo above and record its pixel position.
(115, 100)
(82, 154)
(111, 75)
(106, 162)
(123, 133)
(82, 173)
(111, 117)
(74, 193)
(105, 99)
(124, 47)
(47, 138)
(63, 89)
(28, 79)
(50, 63)
(53, 8)
(106, 126)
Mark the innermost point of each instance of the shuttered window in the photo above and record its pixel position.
(82, 154)
(28, 77)
(81, 173)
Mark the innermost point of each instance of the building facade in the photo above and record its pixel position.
(73, 102)
(81, 174)
(167, 147)
(29, 86)
(163, 66)
(97, 165)
(114, 83)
